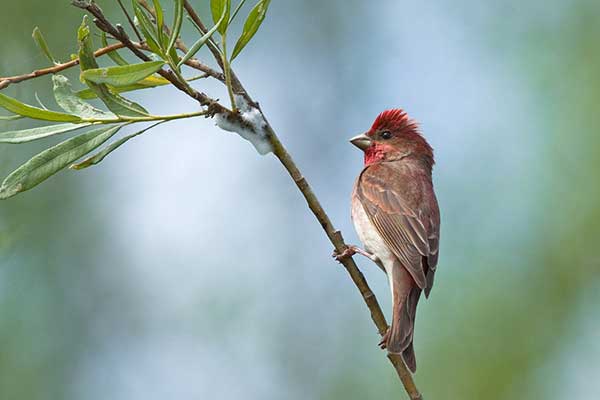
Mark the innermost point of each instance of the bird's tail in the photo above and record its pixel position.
(406, 295)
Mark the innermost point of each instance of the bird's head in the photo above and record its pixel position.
(393, 136)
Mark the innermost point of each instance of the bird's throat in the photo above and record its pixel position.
(374, 153)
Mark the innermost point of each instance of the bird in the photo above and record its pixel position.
(396, 216)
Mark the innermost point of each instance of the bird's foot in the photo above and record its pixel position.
(384, 340)
(352, 250)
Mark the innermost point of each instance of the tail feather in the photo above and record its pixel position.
(406, 296)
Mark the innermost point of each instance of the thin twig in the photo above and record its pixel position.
(196, 18)
(137, 33)
(237, 10)
(6, 81)
(196, 64)
(192, 63)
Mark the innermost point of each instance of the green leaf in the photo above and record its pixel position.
(115, 103)
(52, 160)
(177, 23)
(148, 30)
(25, 110)
(38, 38)
(122, 75)
(160, 24)
(148, 83)
(253, 22)
(27, 135)
(72, 104)
(219, 8)
(89, 94)
(98, 157)
(114, 55)
(196, 46)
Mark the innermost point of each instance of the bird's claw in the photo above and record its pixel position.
(348, 252)
(384, 340)
(352, 250)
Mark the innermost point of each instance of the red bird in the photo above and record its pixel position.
(396, 216)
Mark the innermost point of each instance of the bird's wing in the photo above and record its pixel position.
(402, 207)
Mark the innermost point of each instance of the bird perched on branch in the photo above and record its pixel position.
(396, 216)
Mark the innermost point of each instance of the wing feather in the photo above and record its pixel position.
(404, 217)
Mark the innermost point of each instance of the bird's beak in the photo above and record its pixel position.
(361, 141)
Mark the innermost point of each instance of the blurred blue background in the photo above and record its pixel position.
(186, 266)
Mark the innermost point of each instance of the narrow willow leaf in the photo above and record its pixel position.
(114, 55)
(122, 75)
(10, 117)
(174, 56)
(177, 23)
(38, 38)
(115, 103)
(52, 160)
(154, 81)
(253, 22)
(27, 135)
(196, 46)
(68, 101)
(88, 94)
(25, 110)
(218, 8)
(160, 24)
(148, 30)
(101, 155)
(148, 83)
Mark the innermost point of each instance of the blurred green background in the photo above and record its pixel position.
(185, 266)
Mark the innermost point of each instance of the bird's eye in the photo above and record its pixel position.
(386, 135)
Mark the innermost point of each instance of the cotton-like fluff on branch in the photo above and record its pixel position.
(250, 125)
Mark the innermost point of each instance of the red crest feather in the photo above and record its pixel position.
(395, 119)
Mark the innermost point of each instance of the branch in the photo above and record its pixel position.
(196, 18)
(192, 63)
(196, 64)
(137, 33)
(119, 33)
(6, 81)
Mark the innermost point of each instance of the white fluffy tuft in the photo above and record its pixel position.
(254, 131)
